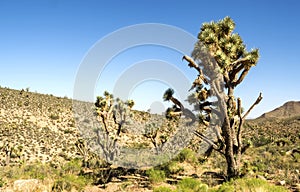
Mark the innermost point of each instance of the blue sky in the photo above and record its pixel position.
(43, 42)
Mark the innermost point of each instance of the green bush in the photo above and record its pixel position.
(156, 176)
(72, 167)
(250, 184)
(65, 178)
(61, 185)
(162, 189)
(191, 185)
(68, 182)
(187, 155)
(173, 168)
(54, 117)
(2, 183)
(37, 171)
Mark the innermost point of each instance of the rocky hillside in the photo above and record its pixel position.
(44, 128)
(36, 127)
(289, 109)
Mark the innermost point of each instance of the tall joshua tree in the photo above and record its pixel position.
(222, 62)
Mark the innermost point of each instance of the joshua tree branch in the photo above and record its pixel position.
(237, 62)
(111, 107)
(221, 103)
(210, 142)
(235, 71)
(177, 102)
(103, 119)
(217, 132)
(242, 76)
(192, 63)
(239, 131)
(253, 105)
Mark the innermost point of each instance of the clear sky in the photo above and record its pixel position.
(43, 42)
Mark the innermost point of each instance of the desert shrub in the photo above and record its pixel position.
(250, 184)
(162, 189)
(54, 117)
(72, 167)
(27, 171)
(11, 172)
(68, 182)
(20, 104)
(68, 131)
(156, 176)
(170, 168)
(262, 140)
(173, 168)
(139, 145)
(38, 171)
(2, 183)
(187, 155)
(191, 185)
(61, 185)
(65, 178)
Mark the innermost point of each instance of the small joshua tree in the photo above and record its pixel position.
(112, 115)
(11, 151)
(222, 62)
(159, 131)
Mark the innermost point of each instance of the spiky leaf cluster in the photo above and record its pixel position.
(225, 46)
(173, 113)
(168, 94)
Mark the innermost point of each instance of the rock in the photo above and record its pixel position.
(282, 182)
(32, 119)
(297, 187)
(26, 185)
(42, 124)
(261, 177)
(93, 189)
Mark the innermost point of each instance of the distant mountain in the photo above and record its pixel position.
(289, 109)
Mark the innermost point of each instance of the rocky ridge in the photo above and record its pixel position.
(287, 110)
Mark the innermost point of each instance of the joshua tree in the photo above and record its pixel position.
(11, 151)
(112, 114)
(159, 130)
(130, 103)
(222, 62)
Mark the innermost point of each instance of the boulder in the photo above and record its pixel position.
(26, 185)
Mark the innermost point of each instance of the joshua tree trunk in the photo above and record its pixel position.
(8, 155)
(229, 153)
